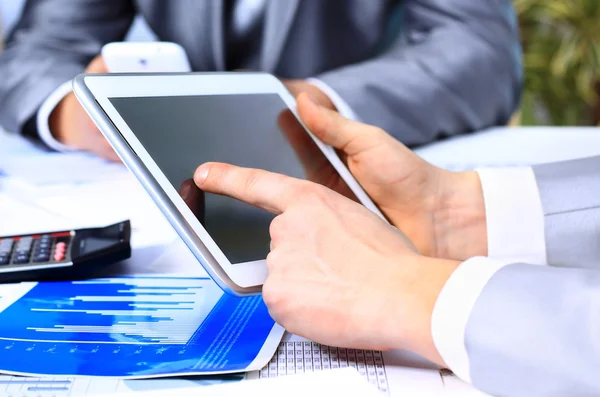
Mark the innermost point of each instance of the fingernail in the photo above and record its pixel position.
(201, 175)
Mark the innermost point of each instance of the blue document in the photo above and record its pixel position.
(132, 328)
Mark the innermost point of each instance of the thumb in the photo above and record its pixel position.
(334, 129)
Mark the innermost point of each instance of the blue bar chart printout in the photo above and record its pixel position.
(132, 328)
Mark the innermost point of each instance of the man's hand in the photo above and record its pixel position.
(70, 124)
(441, 212)
(338, 274)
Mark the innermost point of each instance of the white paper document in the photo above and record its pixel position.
(42, 169)
(18, 217)
(334, 382)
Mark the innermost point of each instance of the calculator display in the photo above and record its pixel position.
(93, 244)
(252, 130)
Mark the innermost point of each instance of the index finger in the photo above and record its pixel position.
(263, 189)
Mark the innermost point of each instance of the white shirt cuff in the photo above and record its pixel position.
(43, 117)
(514, 215)
(342, 106)
(453, 308)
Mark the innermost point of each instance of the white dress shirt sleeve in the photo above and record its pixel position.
(43, 117)
(342, 106)
(515, 229)
(453, 308)
(514, 215)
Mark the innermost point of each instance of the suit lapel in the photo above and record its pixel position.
(218, 34)
(278, 21)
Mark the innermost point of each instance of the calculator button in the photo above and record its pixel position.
(6, 245)
(26, 241)
(41, 258)
(44, 245)
(21, 259)
(23, 249)
(4, 259)
(59, 252)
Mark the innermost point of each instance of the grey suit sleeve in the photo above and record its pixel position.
(535, 331)
(53, 42)
(570, 196)
(456, 68)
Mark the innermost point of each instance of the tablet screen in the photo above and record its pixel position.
(252, 130)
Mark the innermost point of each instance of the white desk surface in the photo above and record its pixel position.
(514, 146)
(34, 206)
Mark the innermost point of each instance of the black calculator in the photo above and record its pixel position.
(71, 254)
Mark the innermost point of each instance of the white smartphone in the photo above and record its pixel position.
(163, 126)
(145, 57)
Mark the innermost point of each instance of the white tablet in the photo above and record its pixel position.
(163, 126)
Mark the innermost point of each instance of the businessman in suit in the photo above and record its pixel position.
(454, 68)
(503, 286)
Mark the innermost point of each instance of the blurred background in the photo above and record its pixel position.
(561, 44)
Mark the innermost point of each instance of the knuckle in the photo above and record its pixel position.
(274, 260)
(378, 131)
(252, 179)
(272, 296)
(316, 198)
(379, 135)
(278, 302)
(311, 192)
(287, 181)
(276, 228)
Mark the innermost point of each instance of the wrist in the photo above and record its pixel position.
(56, 121)
(459, 219)
(415, 298)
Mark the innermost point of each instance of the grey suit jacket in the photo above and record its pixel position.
(455, 68)
(535, 330)
(1, 34)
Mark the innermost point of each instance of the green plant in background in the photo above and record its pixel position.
(561, 44)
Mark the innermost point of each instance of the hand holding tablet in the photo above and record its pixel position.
(164, 126)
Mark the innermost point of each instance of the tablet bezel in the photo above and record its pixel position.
(94, 93)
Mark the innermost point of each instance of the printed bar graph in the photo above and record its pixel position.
(126, 311)
(144, 327)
